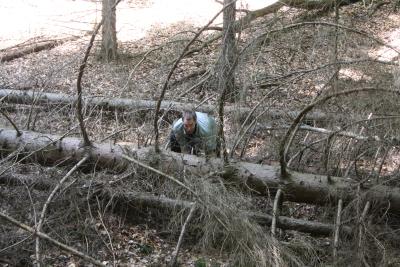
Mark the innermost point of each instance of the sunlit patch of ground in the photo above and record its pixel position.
(392, 39)
(29, 18)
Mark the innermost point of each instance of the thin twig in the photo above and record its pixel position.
(360, 232)
(275, 215)
(275, 211)
(15, 244)
(337, 231)
(19, 133)
(178, 245)
(108, 235)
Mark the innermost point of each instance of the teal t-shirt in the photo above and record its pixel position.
(205, 135)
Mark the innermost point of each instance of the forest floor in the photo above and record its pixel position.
(144, 25)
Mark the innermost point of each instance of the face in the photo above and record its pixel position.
(189, 125)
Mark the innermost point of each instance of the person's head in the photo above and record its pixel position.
(189, 120)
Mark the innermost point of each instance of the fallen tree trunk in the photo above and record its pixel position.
(21, 51)
(343, 133)
(52, 149)
(144, 199)
(40, 98)
(136, 199)
(265, 179)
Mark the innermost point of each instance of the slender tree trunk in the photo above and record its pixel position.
(226, 79)
(109, 32)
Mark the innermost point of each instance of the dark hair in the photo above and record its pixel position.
(189, 114)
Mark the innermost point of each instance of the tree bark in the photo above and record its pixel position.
(30, 97)
(264, 179)
(109, 33)
(226, 63)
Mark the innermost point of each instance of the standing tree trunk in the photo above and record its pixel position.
(109, 32)
(226, 64)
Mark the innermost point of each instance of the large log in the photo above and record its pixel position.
(53, 149)
(41, 98)
(140, 199)
(264, 179)
(137, 199)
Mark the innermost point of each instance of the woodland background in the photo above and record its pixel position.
(306, 97)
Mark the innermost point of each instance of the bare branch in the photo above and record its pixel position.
(178, 245)
(337, 228)
(49, 199)
(51, 240)
(285, 144)
(79, 80)
(19, 133)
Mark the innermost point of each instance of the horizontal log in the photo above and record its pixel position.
(157, 202)
(305, 127)
(287, 223)
(23, 50)
(52, 149)
(108, 103)
(264, 179)
(27, 50)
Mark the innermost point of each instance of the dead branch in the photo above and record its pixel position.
(337, 230)
(275, 212)
(11, 122)
(46, 204)
(275, 216)
(178, 245)
(361, 228)
(245, 21)
(51, 240)
(79, 85)
(79, 80)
